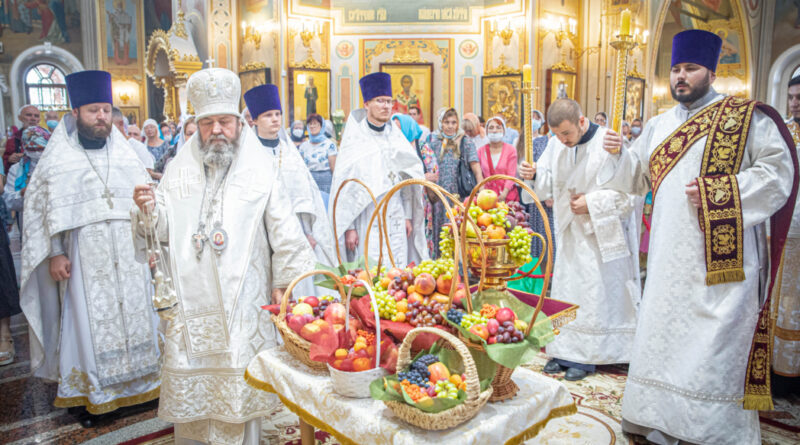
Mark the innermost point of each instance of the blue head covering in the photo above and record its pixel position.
(696, 46)
(261, 99)
(89, 87)
(375, 85)
(408, 126)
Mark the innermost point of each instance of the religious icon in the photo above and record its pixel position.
(560, 85)
(311, 97)
(412, 86)
(634, 99)
(309, 92)
(219, 239)
(502, 96)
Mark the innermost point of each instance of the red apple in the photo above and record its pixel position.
(492, 326)
(302, 309)
(438, 372)
(505, 314)
(492, 340)
(296, 322)
(311, 301)
(487, 199)
(336, 313)
(480, 330)
(394, 272)
(425, 284)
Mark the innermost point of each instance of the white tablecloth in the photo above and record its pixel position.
(309, 394)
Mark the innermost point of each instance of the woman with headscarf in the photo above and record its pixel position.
(319, 152)
(412, 131)
(188, 128)
(34, 140)
(474, 130)
(297, 133)
(449, 145)
(154, 143)
(499, 158)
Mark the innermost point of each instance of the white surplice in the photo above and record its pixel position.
(597, 263)
(786, 352)
(308, 207)
(687, 373)
(220, 325)
(380, 159)
(94, 333)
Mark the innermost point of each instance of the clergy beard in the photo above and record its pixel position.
(97, 131)
(218, 150)
(695, 93)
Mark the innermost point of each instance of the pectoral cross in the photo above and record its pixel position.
(108, 195)
(210, 63)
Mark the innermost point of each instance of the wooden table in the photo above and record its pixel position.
(310, 395)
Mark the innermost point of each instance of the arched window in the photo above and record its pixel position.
(46, 88)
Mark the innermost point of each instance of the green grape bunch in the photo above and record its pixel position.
(519, 245)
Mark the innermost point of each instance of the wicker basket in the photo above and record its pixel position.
(495, 263)
(356, 384)
(450, 417)
(292, 341)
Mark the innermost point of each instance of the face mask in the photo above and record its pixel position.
(317, 138)
(495, 137)
(448, 136)
(297, 132)
(636, 131)
(52, 125)
(536, 125)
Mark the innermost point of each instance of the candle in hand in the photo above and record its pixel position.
(625, 24)
(526, 73)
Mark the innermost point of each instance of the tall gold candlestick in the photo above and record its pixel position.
(623, 46)
(527, 96)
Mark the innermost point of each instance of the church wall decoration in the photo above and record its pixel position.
(132, 113)
(634, 99)
(253, 75)
(345, 49)
(415, 17)
(309, 92)
(502, 96)
(559, 85)
(121, 50)
(785, 32)
(412, 84)
(468, 49)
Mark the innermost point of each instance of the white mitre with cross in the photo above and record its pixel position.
(214, 91)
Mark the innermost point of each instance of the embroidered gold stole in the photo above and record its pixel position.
(727, 124)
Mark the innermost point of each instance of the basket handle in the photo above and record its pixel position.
(471, 372)
(290, 288)
(548, 234)
(374, 304)
(382, 208)
(333, 216)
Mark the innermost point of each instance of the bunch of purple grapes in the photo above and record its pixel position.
(507, 333)
(517, 215)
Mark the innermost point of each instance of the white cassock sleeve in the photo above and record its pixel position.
(291, 253)
(628, 171)
(765, 185)
(543, 180)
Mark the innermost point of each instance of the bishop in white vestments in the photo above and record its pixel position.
(378, 154)
(597, 264)
(233, 241)
(264, 103)
(719, 168)
(86, 298)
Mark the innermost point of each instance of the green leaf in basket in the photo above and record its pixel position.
(383, 389)
(340, 271)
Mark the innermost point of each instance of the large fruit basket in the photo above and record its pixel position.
(450, 417)
(293, 342)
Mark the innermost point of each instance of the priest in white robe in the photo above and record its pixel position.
(264, 103)
(378, 154)
(719, 168)
(92, 325)
(233, 242)
(786, 354)
(597, 265)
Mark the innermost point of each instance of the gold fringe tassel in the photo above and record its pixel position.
(724, 276)
(758, 402)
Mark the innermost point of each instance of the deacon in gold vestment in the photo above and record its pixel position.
(786, 353)
(232, 240)
(691, 366)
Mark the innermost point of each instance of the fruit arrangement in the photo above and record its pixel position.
(496, 220)
(417, 295)
(428, 378)
(311, 316)
(359, 357)
(491, 323)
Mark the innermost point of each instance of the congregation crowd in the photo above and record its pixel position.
(244, 204)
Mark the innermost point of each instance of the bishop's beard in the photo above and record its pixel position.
(219, 151)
